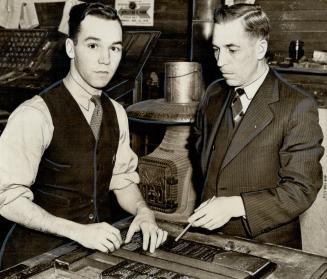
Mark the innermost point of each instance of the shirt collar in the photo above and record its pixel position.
(81, 96)
(251, 89)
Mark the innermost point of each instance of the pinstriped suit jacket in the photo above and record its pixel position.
(272, 161)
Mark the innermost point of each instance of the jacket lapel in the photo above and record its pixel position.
(256, 118)
(218, 107)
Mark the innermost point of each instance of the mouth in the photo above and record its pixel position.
(102, 72)
(226, 75)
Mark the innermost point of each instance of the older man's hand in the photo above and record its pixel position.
(215, 213)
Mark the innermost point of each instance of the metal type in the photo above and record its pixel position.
(195, 256)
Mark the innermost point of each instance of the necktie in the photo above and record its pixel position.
(96, 116)
(237, 108)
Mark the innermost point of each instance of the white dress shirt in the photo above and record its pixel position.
(29, 132)
(251, 90)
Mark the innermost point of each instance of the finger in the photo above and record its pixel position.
(130, 233)
(219, 223)
(116, 233)
(108, 244)
(209, 225)
(102, 248)
(115, 241)
(153, 239)
(202, 221)
(201, 205)
(146, 236)
(165, 236)
(197, 215)
(160, 235)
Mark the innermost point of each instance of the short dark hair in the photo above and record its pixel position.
(80, 11)
(254, 20)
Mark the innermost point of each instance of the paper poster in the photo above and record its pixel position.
(135, 13)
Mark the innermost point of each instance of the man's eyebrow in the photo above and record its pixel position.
(91, 38)
(98, 39)
(232, 45)
(118, 43)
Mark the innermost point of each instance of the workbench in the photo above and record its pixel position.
(194, 256)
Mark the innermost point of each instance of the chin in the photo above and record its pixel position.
(232, 82)
(100, 84)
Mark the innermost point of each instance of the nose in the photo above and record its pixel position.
(221, 57)
(104, 57)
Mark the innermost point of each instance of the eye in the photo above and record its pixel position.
(216, 51)
(92, 45)
(232, 50)
(116, 48)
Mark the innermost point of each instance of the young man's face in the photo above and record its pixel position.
(236, 52)
(97, 50)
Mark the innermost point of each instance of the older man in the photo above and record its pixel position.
(258, 138)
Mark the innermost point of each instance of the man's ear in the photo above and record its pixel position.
(70, 48)
(262, 47)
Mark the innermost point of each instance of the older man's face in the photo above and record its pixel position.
(236, 53)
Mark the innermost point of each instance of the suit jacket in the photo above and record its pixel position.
(272, 161)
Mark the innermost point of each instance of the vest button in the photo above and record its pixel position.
(91, 200)
(91, 216)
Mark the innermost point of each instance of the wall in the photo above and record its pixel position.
(305, 20)
(290, 20)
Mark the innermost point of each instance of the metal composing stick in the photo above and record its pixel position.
(190, 224)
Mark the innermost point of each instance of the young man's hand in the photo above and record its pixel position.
(152, 234)
(99, 236)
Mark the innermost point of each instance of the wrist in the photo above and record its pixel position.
(71, 230)
(143, 209)
(238, 205)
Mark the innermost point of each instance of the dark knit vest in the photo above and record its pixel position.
(75, 171)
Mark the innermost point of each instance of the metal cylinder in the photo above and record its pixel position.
(204, 9)
(183, 82)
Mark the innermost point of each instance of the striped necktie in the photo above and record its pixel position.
(96, 116)
(237, 108)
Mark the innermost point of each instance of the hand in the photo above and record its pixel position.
(217, 212)
(99, 236)
(145, 221)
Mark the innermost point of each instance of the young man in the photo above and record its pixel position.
(258, 138)
(63, 150)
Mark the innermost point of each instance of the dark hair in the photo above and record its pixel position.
(80, 11)
(254, 20)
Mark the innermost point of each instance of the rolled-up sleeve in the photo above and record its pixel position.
(124, 172)
(22, 143)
